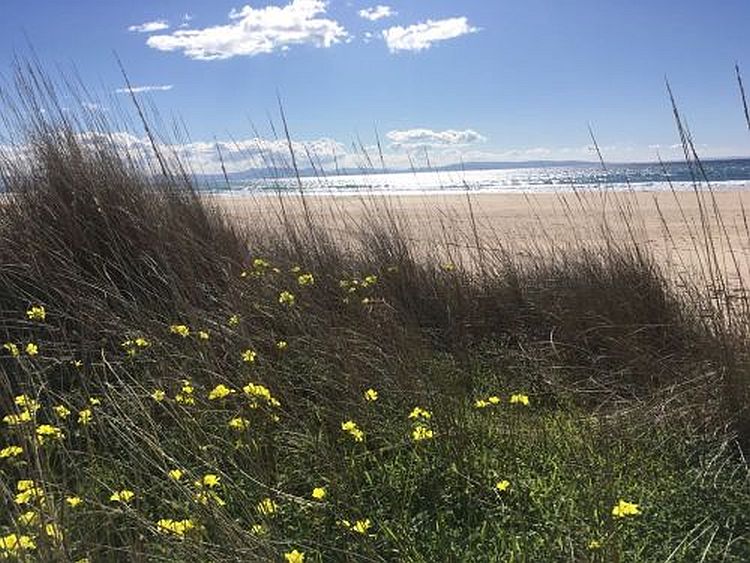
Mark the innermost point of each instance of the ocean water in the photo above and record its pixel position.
(721, 174)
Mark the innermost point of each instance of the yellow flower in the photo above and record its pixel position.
(361, 526)
(421, 433)
(10, 451)
(286, 298)
(351, 427)
(258, 530)
(28, 492)
(210, 480)
(306, 279)
(84, 417)
(261, 264)
(294, 556)
(28, 518)
(54, 532)
(185, 396)
(13, 544)
(494, 399)
(27, 402)
(141, 342)
(419, 412)
(624, 508)
(12, 349)
(77, 363)
(16, 419)
(36, 313)
(73, 502)
(282, 345)
(519, 399)
(319, 493)
(219, 392)
(177, 527)
(257, 391)
(124, 496)
(267, 507)
(207, 497)
(47, 431)
(369, 280)
(238, 423)
(175, 474)
(61, 411)
(204, 334)
(594, 544)
(158, 395)
(480, 404)
(371, 395)
(503, 485)
(233, 320)
(94, 401)
(180, 330)
(32, 349)
(248, 356)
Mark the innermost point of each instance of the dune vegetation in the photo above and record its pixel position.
(180, 387)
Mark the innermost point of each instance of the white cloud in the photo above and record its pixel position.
(421, 36)
(253, 31)
(150, 27)
(417, 138)
(377, 12)
(139, 89)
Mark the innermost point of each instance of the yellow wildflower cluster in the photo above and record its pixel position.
(36, 313)
(624, 508)
(61, 411)
(287, 298)
(180, 330)
(158, 395)
(267, 507)
(519, 399)
(421, 430)
(13, 545)
(305, 279)
(185, 396)
(249, 355)
(123, 496)
(503, 485)
(219, 392)
(353, 430)
(259, 267)
(233, 320)
(11, 451)
(46, 432)
(294, 556)
(239, 424)
(132, 346)
(359, 526)
(319, 493)
(204, 335)
(27, 409)
(175, 474)
(282, 345)
(32, 349)
(28, 492)
(179, 528)
(85, 416)
(370, 280)
(205, 493)
(12, 349)
(371, 395)
(73, 501)
(484, 403)
(257, 392)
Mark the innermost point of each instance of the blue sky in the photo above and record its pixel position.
(477, 79)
